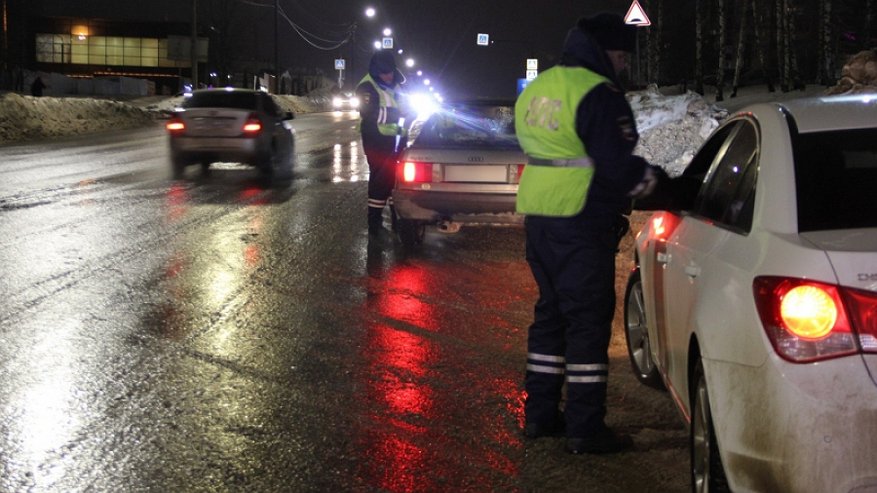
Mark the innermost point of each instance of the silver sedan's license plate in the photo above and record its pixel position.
(210, 143)
(481, 173)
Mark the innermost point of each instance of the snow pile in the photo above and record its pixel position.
(30, 118)
(858, 75)
(672, 128)
(27, 118)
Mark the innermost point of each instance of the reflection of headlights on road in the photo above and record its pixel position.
(423, 104)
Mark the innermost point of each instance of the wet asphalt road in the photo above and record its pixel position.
(211, 334)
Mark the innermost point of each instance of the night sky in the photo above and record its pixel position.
(440, 35)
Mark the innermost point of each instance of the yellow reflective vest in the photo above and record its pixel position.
(559, 171)
(387, 100)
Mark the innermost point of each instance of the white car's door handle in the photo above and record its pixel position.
(692, 270)
(662, 258)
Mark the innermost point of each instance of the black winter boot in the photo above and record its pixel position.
(375, 220)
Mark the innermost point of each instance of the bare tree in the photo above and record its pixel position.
(698, 47)
(759, 24)
(826, 51)
(781, 45)
(654, 39)
(741, 43)
(720, 73)
(791, 52)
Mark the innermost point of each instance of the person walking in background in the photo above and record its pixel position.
(36, 88)
(578, 132)
(383, 133)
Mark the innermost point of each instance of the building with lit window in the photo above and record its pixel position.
(158, 52)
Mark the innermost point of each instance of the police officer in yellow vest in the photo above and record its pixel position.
(383, 135)
(578, 132)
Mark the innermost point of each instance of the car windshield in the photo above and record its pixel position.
(470, 126)
(835, 173)
(221, 99)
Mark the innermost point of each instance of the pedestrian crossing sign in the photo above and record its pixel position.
(636, 15)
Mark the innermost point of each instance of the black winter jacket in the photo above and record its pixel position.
(606, 125)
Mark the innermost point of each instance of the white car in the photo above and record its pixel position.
(754, 299)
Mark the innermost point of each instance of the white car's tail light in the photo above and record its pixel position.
(415, 172)
(809, 312)
(252, 126)
(863, 315)
(663, 225)
(809, 321)
(175, 125)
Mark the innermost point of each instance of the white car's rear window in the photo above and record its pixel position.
(836, 175)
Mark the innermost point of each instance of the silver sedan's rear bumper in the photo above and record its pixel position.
(464, 207)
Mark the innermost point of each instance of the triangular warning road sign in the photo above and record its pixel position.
(636, 15)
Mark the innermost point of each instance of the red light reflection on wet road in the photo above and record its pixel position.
(413, 394)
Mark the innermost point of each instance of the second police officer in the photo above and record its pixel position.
(383, 133)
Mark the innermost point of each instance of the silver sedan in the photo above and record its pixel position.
(232, 125)
(463, 167)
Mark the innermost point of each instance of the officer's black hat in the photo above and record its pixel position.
(383, 62)
(610, 31)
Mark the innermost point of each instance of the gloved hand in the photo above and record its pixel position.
(647, 185)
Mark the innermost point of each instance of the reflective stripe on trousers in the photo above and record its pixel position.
(575, 373)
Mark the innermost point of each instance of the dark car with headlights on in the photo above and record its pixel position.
(463, 166)
(346, 101)
(232, 125)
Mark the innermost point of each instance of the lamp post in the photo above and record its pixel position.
(276, 47)
(194, 45)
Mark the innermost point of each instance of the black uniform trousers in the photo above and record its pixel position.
(573, 263)
(381, 180)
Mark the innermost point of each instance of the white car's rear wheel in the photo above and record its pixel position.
(707, 473)
(637, 335)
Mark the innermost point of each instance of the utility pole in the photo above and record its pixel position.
(194, 44)
(276, 47)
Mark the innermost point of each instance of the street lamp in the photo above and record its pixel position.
(409, 62)
(193, 52)
(370, 12)
(388, 31)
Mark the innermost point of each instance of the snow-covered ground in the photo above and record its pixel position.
(672, 126)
